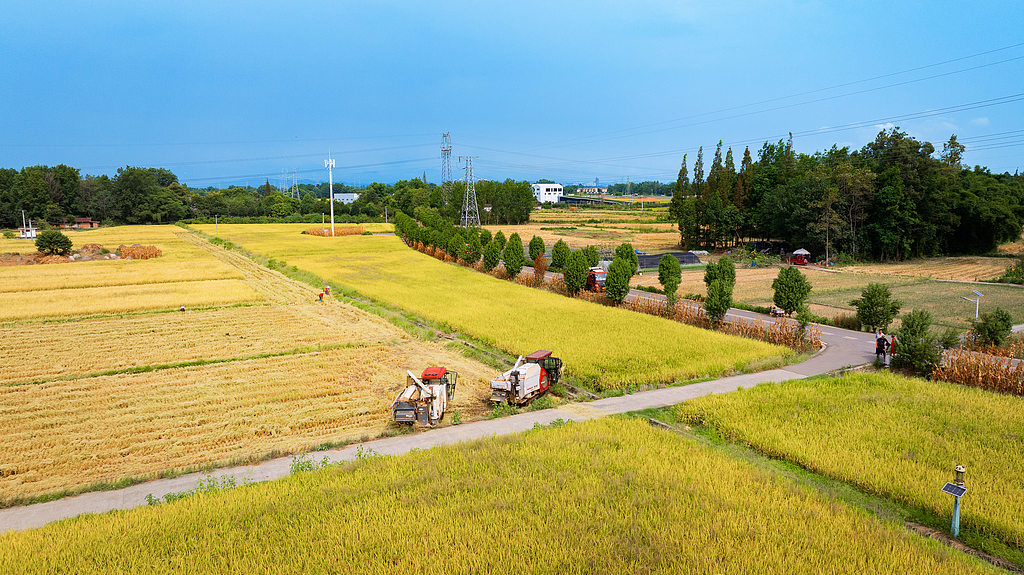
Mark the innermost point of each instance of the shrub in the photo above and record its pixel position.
(994, 327)
(500, 238)
(513, 256)
(537, 247)
(616, 285)
(847, 321)
(559, 254)
(492, 255)
(575, 272)
(9, 235)
(53, 243)
(916, 348)
(669, 274)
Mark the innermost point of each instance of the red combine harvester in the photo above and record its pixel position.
(425, 398)
(530, 377)
(595, 279)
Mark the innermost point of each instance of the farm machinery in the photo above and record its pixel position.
(530, 377)
(425, 398)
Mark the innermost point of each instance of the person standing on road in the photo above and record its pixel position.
(880, 345)
(892, 347)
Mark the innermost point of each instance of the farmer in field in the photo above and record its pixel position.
(321, 294)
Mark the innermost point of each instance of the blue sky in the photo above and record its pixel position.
(235, 92)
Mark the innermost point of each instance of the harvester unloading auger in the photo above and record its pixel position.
(425, 398)
(530, 377)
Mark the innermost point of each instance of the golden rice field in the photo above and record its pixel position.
(72, 434)
(606, 496)
(101, 344)
(608, 347)
(113, 273)
(896, 436)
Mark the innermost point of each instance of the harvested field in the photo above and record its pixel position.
(112, 273)
(965, 268)
(68, 303)
(643, 236)
(97, 345)
(71, 434)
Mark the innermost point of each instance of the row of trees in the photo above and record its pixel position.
(890, 200)
(154, 195)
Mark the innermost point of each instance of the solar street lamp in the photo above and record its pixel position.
(957, 490)
(977, 301)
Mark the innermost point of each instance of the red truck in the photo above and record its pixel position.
(595, 279)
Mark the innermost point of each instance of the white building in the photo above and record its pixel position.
(547, 192)
(346, 198)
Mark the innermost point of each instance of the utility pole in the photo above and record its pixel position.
(446, 168)
(470, 211)
(329, 164)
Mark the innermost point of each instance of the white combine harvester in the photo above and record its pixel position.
(530, 377)
(425, 398)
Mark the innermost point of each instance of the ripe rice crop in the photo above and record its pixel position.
(974, 369)
(113, 273)
(65, 303)
(71, 434)
(607, 496)
(897, 436)
(604, 346)
(338, 231)
(102, 344)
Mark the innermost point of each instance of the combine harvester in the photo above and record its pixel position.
(530, 377)
(425, 398)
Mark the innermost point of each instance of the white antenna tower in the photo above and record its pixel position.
(470, 211)
(446, 168)
(329, 164)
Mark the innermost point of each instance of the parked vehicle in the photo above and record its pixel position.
(595, 279)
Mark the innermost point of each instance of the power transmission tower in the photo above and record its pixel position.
(470, 212)
(446, 168)
(294, 192)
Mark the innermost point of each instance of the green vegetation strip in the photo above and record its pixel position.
(896, 436)
(610, 496)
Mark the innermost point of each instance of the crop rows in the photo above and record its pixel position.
(604, 346)
(897, 436)
(607, 496)
(83, 431)
(96, 345)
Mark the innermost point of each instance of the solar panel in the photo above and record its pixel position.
(954, 490)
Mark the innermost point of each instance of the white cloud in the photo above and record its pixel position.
(982, 121)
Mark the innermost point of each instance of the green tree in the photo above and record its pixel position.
(485, 236)
(471, 251)
(670, 274)
(499, 237)
(454, 245)
(724, 270)
(537, 247)
(791, 289)
(559, 254)
(593, 257)
(492, 255)
(616, 284)
(627, 253)
(513, 256)
(718, 300)
(52, 242)
(992, 328)
(575, 272)
(876, 307)
(917, 348)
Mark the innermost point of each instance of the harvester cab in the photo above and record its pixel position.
(425, 398)
(530, 377)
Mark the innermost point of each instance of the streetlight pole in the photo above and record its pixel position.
(329, 164)
(977, 302)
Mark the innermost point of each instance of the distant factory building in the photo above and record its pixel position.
(547, 192)
(346, 198)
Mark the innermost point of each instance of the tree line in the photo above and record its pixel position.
(890, 200)
(136, 195)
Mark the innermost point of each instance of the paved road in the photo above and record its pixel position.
(842, 348)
